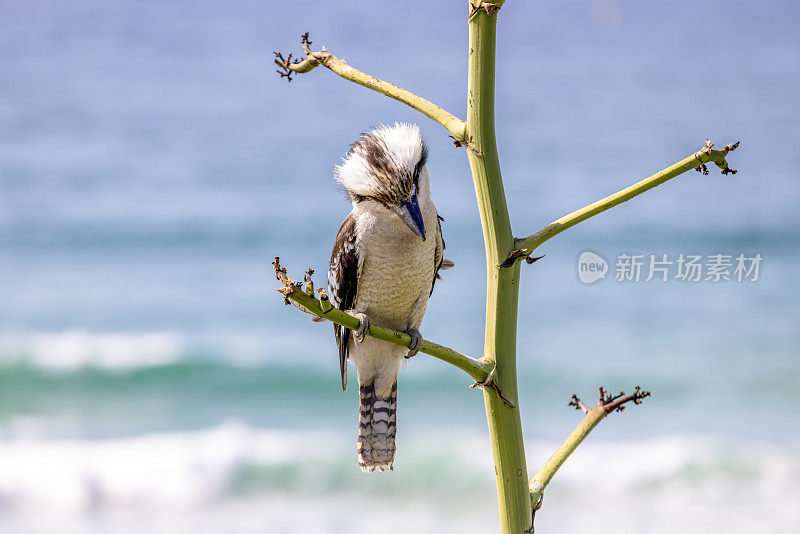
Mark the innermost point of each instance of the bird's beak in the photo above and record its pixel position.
(412, 216)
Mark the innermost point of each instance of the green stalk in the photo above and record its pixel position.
(502, 287)
(497, 370)
(605, 405)
(527, 245)
(479, 370)
(451, 123)
(543, 477)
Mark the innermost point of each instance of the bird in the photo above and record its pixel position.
(384, 264)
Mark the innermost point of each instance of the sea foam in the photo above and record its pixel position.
(193, 469)
(164, 470)
(73, 349)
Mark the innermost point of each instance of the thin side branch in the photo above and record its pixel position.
(479, 370)
(525, 246)
(287, 68)
(605, 405)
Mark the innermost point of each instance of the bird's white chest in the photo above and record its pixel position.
(397, 269)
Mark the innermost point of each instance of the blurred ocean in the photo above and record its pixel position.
(152, 164)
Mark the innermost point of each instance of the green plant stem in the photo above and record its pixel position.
(605, 405)
(502, 290)
(543, 477)
(451, 123)
(497, 369)
(478, 369)
(527, 245)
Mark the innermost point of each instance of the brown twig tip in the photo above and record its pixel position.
(284, 64)
(289, 285)
(287, 67)
(309, 283)
(280, 272)
(305, 42)
(617, 402)
(578, 404)
(724, 168)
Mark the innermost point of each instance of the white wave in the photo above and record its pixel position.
(680, 463)
(73, 349)
(166, 470)
(76, 348)
(684, 482)
(675, 484)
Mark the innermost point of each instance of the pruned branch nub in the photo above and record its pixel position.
(458, 143)
(492, 384)
(517, 254)
(488, 7)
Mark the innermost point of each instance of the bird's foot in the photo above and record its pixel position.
(363, 327)
(416, 342)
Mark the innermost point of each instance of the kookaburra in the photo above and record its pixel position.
(384, 264)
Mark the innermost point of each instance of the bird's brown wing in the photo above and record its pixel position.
(439, 261)
(343, 283)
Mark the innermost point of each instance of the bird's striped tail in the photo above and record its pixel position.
(377, 424)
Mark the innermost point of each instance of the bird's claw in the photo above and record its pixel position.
(363, 327)
(416, 342)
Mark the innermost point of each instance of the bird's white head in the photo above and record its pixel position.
(386, 168)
